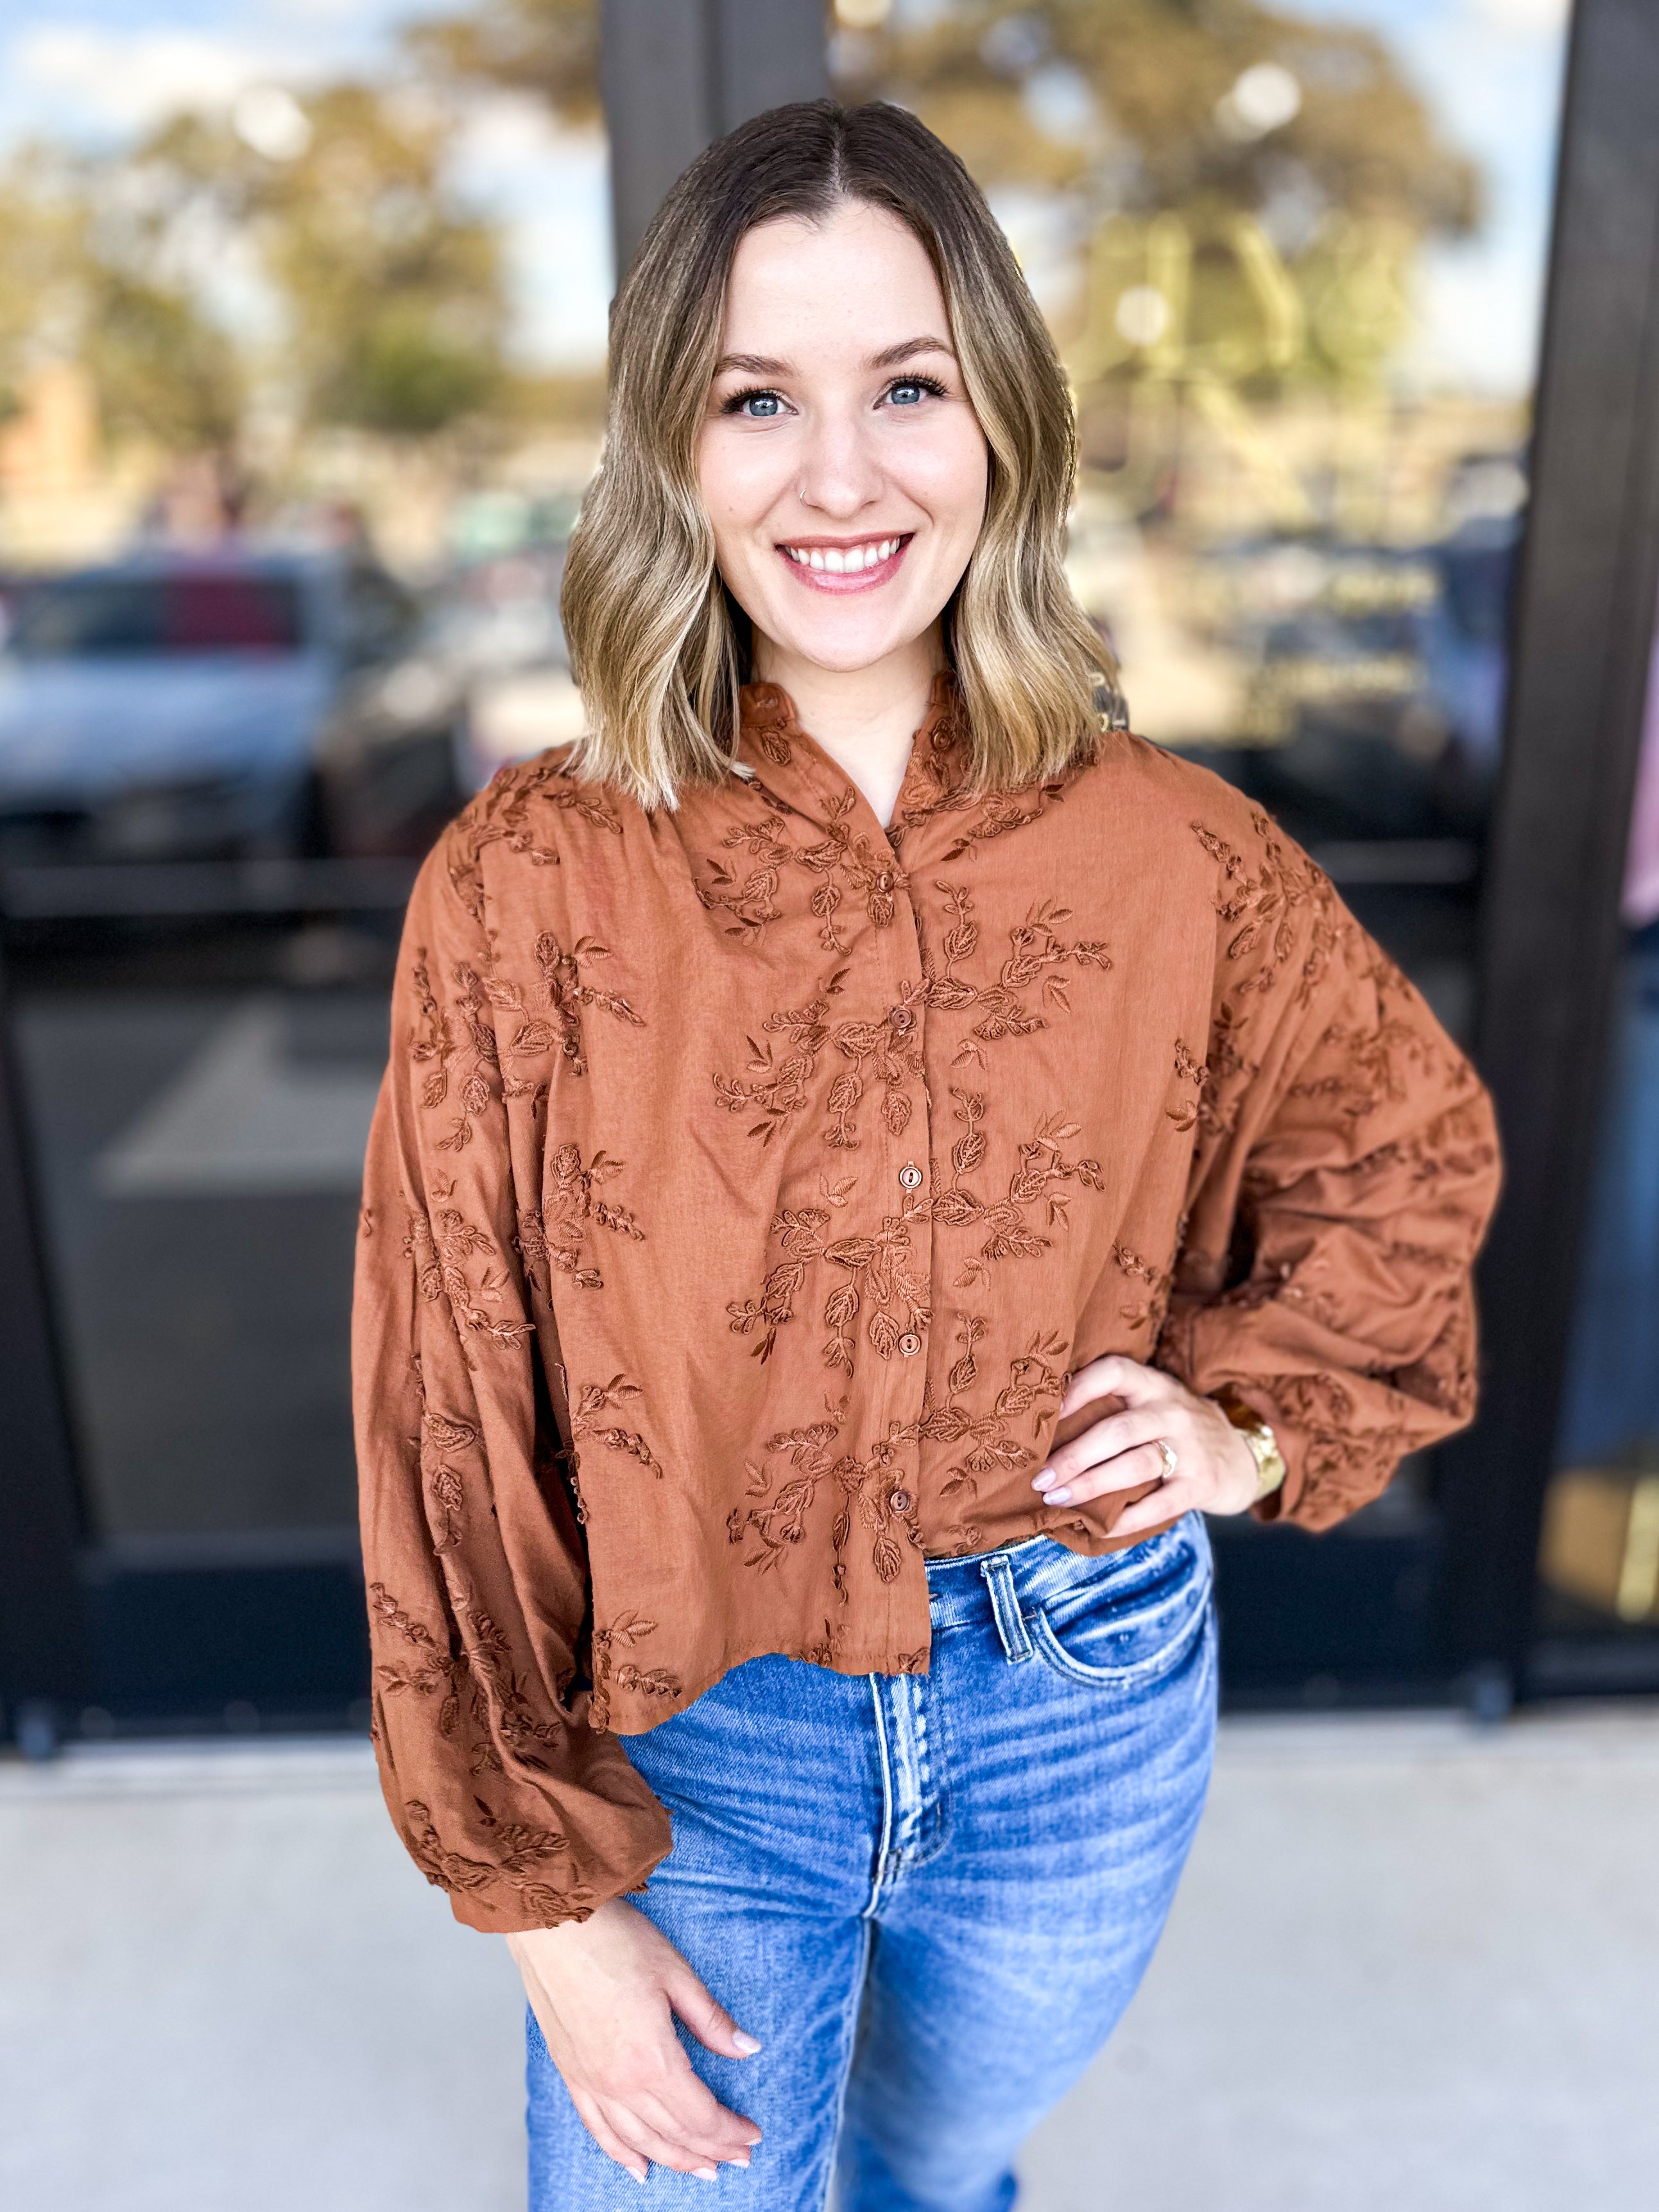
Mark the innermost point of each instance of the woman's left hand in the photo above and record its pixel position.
(1214, 1471)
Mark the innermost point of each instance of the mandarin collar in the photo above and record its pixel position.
(791, 764)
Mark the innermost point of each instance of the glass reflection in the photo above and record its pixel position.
(1600, 1557)
(1294, 267)
(1293, 260)
(302, 375)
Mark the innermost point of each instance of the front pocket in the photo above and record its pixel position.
(1115, 1643)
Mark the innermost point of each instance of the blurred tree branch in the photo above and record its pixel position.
(547, 48)
(1132, 97)
(73, 287)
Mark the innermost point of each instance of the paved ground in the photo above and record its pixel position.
(1412, 1968)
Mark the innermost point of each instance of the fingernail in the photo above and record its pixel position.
(743, 2160)
(1046, 1481)
(743, 2041)
(640, 2178)
(706, 2172)
(1060, 1497)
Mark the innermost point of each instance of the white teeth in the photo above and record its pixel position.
(844, 561)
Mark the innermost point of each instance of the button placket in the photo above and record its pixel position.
(907, 1376)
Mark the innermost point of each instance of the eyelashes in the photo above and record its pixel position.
(930, 385)
(736, 402)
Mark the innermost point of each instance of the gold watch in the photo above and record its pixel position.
(1270, 1467)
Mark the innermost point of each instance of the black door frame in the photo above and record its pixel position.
(1551, 934)
(44, 1659)
(1550, 938)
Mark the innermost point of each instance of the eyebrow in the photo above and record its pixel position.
(760, 364)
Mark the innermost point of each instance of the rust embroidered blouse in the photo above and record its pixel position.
(745, 1184)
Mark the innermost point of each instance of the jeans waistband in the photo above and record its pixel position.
(1007, 1584)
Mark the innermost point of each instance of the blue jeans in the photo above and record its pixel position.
(929, 1896)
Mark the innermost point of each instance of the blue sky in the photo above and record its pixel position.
(98, 69)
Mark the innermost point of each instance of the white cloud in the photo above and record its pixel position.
(1546, 18)
(125, 80)
(550, 187)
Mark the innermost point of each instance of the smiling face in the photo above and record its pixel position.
(842, 470)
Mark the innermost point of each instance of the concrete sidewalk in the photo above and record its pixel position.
(1412, 1968)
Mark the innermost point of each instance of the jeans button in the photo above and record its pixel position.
(909, 1344)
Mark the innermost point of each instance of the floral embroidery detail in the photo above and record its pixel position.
(869, 873)
(587, 1419)
(940, 769)
(565, 993)
(1035, 953)
(627, 1630)
(500, 815)
(438, 1247)
(871, 1273)
(826, 1651)
(471, 1684)
(1264, 903)
(436, 1043)
(554, 1238)
(1036, 1385)
(439, 1436)
(1227, 1070)
(1042, 1166)
(519, 1846)
(1149, 1311)
(868, 1484)
(1188, 1070)
(884, 1052)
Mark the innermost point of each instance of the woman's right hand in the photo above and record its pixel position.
(604, 1992)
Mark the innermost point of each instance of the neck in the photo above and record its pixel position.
(864, 718)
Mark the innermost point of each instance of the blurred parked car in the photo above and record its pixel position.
(486, 680)
(173, 707)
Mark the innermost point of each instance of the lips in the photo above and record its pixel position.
(848, 565)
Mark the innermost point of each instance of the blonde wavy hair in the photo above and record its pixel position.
(657, 645)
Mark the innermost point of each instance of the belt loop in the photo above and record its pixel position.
(999, 1573)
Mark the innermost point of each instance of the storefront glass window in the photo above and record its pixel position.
(1293, 258)
(290, 445)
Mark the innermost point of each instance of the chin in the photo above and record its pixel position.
(843, 648)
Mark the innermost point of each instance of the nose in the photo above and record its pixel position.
(838, 470)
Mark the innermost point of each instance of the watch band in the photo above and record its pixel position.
(1270, 1467)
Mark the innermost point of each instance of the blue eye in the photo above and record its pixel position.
(754, 406)
(911, 390)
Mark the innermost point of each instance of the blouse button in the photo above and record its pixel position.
(910, 1176)
(903, 1019)
(901, 1501)
(909, 1344)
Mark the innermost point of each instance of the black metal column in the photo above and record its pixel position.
(44, 1662)
(679, 73)
(1584, 630)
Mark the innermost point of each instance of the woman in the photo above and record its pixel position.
(788, 1138)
